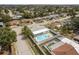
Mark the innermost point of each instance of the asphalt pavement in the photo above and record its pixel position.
(22, 47)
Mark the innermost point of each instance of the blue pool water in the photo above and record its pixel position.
(41, 37)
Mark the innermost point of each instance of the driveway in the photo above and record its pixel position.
(22, 47)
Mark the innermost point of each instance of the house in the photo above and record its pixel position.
(50, 42)
(2, 24)
(16, 17)
(14, 22)
(76, 38)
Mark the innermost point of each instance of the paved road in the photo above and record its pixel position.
(22, 48)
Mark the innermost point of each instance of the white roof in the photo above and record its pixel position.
(40, 31)
(68, 41)
(35, 28)
(1, 23)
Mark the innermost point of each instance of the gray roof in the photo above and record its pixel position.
(35, 27)
(1, 23)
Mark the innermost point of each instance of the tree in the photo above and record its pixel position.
(26, 32)
(7, 37)
(6, 18)
(26, 15)
(66, 29)
(75, 23)
(6, 11)
(72, 13)
(0, 12)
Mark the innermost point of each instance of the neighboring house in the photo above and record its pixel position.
(16, 17)
(56, 16)
(14, 22)
(2, 24)
(76, 38)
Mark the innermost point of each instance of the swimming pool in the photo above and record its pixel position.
(42, 37)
